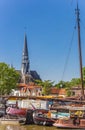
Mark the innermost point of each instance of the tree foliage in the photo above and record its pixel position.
(83, 75)
(75, 82)
(9, 78)
(46, 86)
(63, 84)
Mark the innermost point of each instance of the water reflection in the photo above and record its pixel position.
(29, 127)
(12, 127)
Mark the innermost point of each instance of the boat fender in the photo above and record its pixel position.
(44, 123)
(79, 113)
(7, 110)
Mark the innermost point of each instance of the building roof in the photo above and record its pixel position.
(31, 85)
(22, 85)
(60, 91)
(35, 75)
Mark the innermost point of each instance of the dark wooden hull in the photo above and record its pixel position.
(41, 119)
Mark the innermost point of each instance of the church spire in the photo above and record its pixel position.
(25, 59)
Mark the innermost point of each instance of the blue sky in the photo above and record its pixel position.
(50, 25)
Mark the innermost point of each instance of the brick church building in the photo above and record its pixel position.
(27, 75)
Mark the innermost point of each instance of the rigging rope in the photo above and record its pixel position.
(65, 66)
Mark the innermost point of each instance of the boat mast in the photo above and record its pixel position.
(80, 54)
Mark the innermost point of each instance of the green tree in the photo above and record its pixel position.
(46, 86)
(62, 84)
(75, 82)
(83, 70)
(9, 78)
(66, 85)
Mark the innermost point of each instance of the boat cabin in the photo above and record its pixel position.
(77, 112)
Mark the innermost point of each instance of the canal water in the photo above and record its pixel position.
(28, 127)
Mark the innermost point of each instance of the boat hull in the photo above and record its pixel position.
(40, 118)
(43, 121)
(69, 124)
(15, 111)
(4, 121)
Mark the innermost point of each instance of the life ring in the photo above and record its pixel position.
(44, 123)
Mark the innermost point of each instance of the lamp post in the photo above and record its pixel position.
(61, 85)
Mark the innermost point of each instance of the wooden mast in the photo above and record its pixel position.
(80, 54)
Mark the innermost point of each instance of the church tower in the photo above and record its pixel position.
(25, 67)
(27, 75)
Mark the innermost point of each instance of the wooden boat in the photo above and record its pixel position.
(17, 116)
(76, 119)
(77, 115)
(42, 117)
(70, 123)
(47, 117)
(11, 121)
